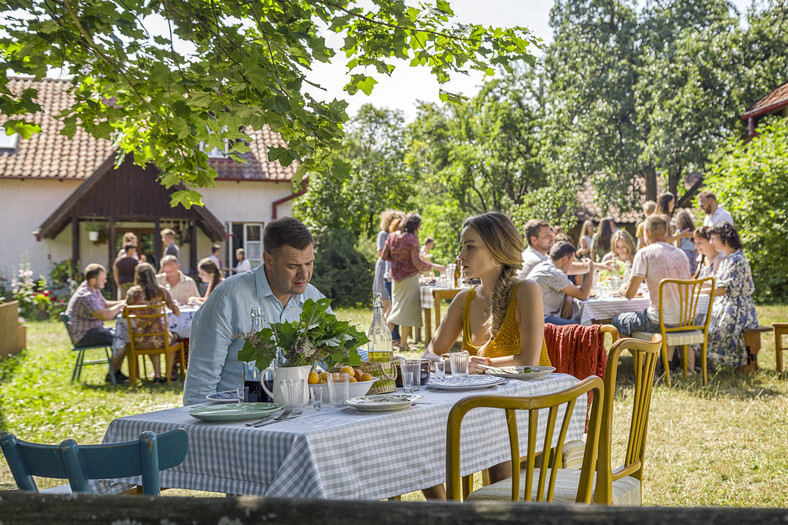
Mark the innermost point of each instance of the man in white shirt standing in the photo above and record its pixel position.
(280, 286)
(551, 276)
(658, 260)
(715, 213)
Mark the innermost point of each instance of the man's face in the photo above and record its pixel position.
(289, 269)
(171, 271)
(545, 240)
(99, 281)
(705, 205)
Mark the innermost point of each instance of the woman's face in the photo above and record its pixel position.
(671, 204)
(717, 243)
(704, 247)
(204, 276)
(474, 257)
(621, 250)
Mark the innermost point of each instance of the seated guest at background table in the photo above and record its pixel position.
(648, 209)
(243, 263)
(180, 286)
(733, 309)
(280, 286)
(123, 270)
(426, 255)
(658, 260)
(208, 272)
(87, 310)
(146, 290)
(402, 250)
(600, 244)
(586, 237)
(622, 249)
(551, 276)
(684, 223)
(710, 258)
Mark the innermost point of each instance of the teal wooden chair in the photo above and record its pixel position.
(77, 372)
(145, 457)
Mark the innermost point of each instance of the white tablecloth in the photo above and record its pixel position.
(341, 453)
(180, 325)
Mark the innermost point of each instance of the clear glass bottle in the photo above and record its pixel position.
(380, 348)
(250, 374)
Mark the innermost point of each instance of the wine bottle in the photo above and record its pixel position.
(380, 347)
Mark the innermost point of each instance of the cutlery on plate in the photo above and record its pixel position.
(268, 418)
(281, 417)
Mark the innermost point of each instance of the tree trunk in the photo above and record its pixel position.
(651, 183)
(673, 182)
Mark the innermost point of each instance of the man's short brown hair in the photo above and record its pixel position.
(706, 195)
(286, 231)
(656, 226)
(93, 270)
(532, 229)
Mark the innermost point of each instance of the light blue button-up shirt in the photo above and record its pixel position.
(218, 327)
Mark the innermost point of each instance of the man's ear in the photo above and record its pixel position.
(267, 260)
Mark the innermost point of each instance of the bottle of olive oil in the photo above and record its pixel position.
(380, 348)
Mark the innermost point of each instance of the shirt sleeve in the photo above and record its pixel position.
(640, 265)
(211, 337)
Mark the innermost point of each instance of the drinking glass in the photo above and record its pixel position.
(316, 393)
(459, 363)
(338, 388)
(440, 369)
(293, 391)
(243, 394)
(411, 375)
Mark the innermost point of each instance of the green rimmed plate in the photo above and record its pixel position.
(235, 412)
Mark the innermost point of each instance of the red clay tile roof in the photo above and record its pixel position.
(54, 156)
(775, 100)
(50, 155)
(587, 209)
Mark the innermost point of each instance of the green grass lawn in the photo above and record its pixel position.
(720, 445)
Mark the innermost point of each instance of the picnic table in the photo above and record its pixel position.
(339, 453)
(431, 297)
(180, 325)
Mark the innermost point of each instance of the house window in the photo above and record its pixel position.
(8, 143)
(249, 236)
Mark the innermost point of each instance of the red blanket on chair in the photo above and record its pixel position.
(576, 350)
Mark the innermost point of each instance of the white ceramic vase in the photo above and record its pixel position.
(286, 372)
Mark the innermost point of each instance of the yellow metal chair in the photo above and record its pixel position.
(144, 312)
(548, 478)
(688, 331)
(623, 486)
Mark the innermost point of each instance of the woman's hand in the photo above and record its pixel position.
(439, 267)
(475, 361)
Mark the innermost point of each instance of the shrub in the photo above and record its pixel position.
(750, 179)
(344, 268)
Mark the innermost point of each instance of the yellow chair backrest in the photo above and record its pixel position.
(689, 291)
(565, 399)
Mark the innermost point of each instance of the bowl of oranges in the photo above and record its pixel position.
(360, 381)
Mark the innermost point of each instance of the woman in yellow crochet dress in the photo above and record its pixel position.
(501, 320)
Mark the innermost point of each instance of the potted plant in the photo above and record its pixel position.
(93, 229)
(295, 346)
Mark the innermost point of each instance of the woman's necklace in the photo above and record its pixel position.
(485, 308)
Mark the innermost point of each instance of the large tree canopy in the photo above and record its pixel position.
(247, 65)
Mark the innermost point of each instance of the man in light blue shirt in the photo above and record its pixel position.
(280, 286)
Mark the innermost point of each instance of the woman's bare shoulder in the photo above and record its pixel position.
(527, 287)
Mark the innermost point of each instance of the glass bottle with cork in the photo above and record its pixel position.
(380, 345)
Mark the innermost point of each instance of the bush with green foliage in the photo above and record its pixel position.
(344, 267)
(750, 179)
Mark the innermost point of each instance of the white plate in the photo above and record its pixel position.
(523, 373)
(383, 402)
(468, 382)
(234, 412)
(228, 396)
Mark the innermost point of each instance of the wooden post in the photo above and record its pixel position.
(112, 256)
(75, 242)
(157, 243)
(193, 247)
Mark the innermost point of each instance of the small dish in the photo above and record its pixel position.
(227, 396)
(383, 402)
(468, 382)
(234, 412)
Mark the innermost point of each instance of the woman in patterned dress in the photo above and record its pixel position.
(733, 309)
(146, 290)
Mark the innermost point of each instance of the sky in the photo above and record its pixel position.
(408, 85)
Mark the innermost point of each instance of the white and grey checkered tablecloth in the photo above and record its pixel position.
(427, 299)
(609, 307)
(340, 453)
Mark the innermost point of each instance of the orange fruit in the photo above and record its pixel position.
(347, 370)
(353, 380)
(359, 373)
(366, 377)
(324, 381)
(324, 377)
(314, 378)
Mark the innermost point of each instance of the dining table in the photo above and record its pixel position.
(602, 309)
(340, 452)
(180, 325)
(431, 297)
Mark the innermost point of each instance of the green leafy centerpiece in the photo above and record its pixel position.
(316, 336)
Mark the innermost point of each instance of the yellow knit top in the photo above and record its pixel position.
(507, 342)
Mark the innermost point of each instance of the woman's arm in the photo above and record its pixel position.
(421, 265)
(448, 331)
